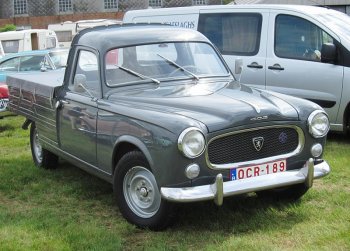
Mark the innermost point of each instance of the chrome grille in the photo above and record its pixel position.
(239, 147)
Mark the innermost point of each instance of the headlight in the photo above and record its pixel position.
(191, 142)
(318, 124)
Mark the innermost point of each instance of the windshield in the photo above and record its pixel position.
(59, 58)
(163, 61)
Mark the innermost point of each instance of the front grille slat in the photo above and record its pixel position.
(239, 147)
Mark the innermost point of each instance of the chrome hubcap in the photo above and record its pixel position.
(38, 150)
(141, 192)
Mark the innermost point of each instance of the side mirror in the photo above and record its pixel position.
(328, 53)
(79, 83)
(238, 66)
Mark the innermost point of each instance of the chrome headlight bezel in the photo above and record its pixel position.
(312, 120)
(183, 140)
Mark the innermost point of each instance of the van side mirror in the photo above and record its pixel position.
(328, 53)
(238, 66)
(79, 82)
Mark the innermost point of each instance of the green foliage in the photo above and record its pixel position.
(68, 209)
(227, 1)
(8, 27)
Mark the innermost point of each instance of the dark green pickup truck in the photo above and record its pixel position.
(155, 111)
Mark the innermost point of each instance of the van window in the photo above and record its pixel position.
(232, 33)
(50, 42)
(10, 46)
(298, 38)
(64, 36)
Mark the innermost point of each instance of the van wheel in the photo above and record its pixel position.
(137, 194)
(291, 193)
(41, 157)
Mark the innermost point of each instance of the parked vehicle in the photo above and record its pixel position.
(67, 30)
(2, 53)
(28, 40)
(302, 51)
(42, 60)
(4, 99)
(155, 111)
(28, 61)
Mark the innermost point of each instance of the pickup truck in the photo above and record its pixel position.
(155, 111)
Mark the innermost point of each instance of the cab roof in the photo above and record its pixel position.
(104, 38)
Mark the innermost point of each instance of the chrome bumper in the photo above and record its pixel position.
(219, 189)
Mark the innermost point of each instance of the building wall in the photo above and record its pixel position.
(41, 13)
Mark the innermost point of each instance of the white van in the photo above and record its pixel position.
(67, 30)
(298, 50)
(2, 53)
(27, 40)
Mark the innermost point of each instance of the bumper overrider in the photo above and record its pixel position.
(219, 189)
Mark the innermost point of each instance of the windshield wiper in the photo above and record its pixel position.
(178, 66)
(138, 74)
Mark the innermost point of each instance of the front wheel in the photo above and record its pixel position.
(41, 157)
(137, 193)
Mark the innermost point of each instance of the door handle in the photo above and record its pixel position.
(60, 103)
(276, 67)
(255, 65)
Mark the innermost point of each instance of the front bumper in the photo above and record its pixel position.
(219, 189)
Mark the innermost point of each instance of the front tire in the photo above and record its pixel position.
(137, 194)
(41, 157)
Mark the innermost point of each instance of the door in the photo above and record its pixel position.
(78, 109)
(35, 41)
(239, 34)
(294, 62)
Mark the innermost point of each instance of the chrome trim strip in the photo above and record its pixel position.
(220, 189)
(298, 149)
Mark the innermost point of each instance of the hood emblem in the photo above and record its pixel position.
(258, 143)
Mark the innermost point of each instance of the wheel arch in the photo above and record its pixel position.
(346, 119)
(127, 144)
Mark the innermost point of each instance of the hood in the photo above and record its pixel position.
(219, 105)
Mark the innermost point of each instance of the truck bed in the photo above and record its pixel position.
(32, 95)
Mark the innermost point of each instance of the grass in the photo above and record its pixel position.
(68, 209)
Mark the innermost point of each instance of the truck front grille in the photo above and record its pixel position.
(243, 146)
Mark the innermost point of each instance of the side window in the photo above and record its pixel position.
(233, 33)
(86, 74)
(31, 63)
(10, 65)
(50, 42)
(10, 46)
(298, 38)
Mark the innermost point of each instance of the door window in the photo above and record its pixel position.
(298, 38)
(233, 33)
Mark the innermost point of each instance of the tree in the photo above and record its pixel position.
(8, 27)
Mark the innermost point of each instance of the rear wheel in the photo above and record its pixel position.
(41, 157)
(137, 193)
